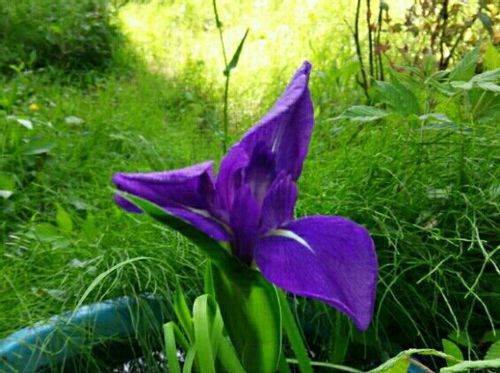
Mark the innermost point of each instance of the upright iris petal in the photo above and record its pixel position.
(279, 203)
(251, 204)
(285, 131)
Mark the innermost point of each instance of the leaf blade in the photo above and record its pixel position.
(236, 56)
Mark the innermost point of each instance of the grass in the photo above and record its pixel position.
(430, 198)
(118, 133)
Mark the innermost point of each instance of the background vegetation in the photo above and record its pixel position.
(93, 87)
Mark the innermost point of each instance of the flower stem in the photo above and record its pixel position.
(227, 73)
(226, 116)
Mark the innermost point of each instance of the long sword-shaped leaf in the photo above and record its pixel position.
(201, 322)
(228, 358)
(293, 334)
(251, 313)
(249, 304)
(212, 248)
(182, 311)
(189, 361)
(170, 348)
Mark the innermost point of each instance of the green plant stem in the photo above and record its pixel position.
(358, 50)
(370, 36)
(226, 115)
(227, 74)
(377, 45)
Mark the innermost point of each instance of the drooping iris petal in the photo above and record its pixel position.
(331, 259)
(286, 129)
(186, 193)
(244, 222)
(279, 203)
(187, 186)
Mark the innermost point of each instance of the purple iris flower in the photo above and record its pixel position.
(250, 205)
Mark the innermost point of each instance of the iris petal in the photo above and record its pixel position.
(327, 258)
(186, 193)
(260, 172)
(279, 203)
(229, 178)
(190, 186)
(286, 129)
(244, 221)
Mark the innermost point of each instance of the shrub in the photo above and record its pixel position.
(71, 34)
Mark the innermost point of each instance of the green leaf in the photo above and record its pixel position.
(63, 220)
(170, 348)
(493, 351)
(213, 249)
(486, 21)
(249, 304)
(208, 281)
(38, 146)
(89, 227)
(489, 76)
(283, 365)
(45, 232)
(401, 361)
(452, 349)
(491, 336)
(466, 86)
(398, 97)
(477, 364)
(228, 357)
(491, 58)
(464, 69)
(189, 361)
(202, 316)
(251, 313)
(462, 338)
(339, 341)
(182, 312)
(211, 343)
(362, 113)
(486, 86)
(234, 61)
(7, 184)
(293, 334)
(485, 81)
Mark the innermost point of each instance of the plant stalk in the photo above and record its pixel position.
(358, 50)
(227, 74)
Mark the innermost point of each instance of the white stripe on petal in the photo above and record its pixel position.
(291, 235)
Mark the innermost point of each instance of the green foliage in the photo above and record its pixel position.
(73, 35)
(250, 308)
(249, 304)
(452, 349)
(493, 351)
(206, 344)
(426, 189)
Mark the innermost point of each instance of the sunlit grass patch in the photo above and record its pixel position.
(281, 36)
